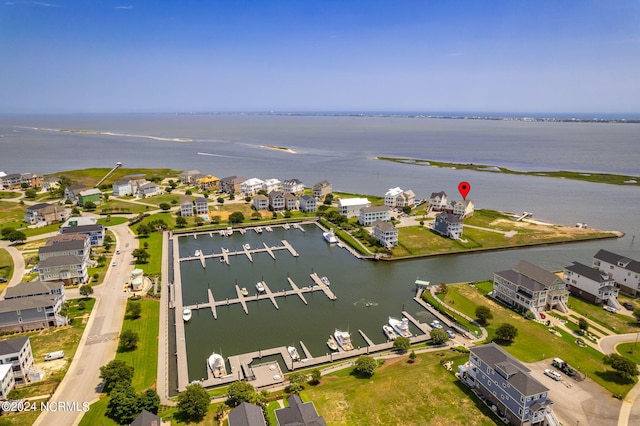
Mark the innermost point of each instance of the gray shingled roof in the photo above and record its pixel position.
(607, 256)
(384, 226)
(521, 280)
(246, 414)
(536, 273)
(79, 229)
(31, 288)
(376, 209)
(494, 356)
(11, 346)
(449, 218)
(60, 261)
(299, 413)
(63, 246)
(146, 418)
(589, 272)
(23, 303)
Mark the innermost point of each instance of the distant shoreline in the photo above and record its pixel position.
(95, 132)
(278, 148)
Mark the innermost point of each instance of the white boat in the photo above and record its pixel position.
(198, 253)
(333, 345)
(246, 247)
(244, 291)
(186, 314)
(343, 338)
(259, 287)
(436, 324)
(325, 281)
(258, 230)
(286, 226)
(388, 331)
(330, 237)
(217, 366)
(400, 327)
(293, 353)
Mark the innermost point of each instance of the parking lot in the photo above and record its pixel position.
(578, 403)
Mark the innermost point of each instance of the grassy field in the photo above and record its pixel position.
(12, 215)
(374, 199)
(121, 206)
(112, 221)
(9, 194)
(144, 359)
(617, 323)
(563, 174)
(400, 393)
(535, 342)
(89, 177)
(6, 267)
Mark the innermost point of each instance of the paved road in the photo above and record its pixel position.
(100, 339)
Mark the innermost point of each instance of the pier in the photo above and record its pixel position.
(225, 254)
(296, 290)
(323, 286)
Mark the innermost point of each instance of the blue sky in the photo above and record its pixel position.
(63, 56)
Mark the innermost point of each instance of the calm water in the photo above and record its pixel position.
(342, 150)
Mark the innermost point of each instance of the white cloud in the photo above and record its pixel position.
(124, 7)
(39, 3)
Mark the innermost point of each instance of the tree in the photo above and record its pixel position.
(89, 206)
(149, 400)
(483, 313)
(134, 309)
(328, 199)
(624, 366)
(128, 340)
(406, 209)
(193, 403)
(165, 206)
(216, 220)
(123, 404)
(583, 324)
(247, 199)
(256, 215)
(6, 231)
(438, 336)
(108, 240)
(220, 200)
(287, 214)
(236, 217)
(30, 193)
(401, 344)
(17, 236)
(198, 220)
(143, 230)
(114, 373)
(296, 382)
(636, 313)
(181, 222)
(316, 374)
(366, 365)
(86, 290)
(412, 357)
(506, 332)
(240, 392)
(141, 255)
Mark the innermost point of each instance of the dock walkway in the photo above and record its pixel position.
(248, 252)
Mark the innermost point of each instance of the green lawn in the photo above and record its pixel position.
(121, 206)
(112, 220)
(12, 215)
(534, 341)
(89, 177)
(400, 393)
(617, 323)
(9, 194)
(6, 267)
(144, 359)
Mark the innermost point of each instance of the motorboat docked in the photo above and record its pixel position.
(186, 314)
(388, 331)
(216, 365)
(333, 345)
(400, 326)
(260, 287)
(293, 353)
(286, 226)
(258, 230)
(246, 246)
(343, 338)
(330, 237)
(198, 253)
(435, 324)
(325, 281)
(244, 291)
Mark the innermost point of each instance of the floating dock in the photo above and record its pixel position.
(226, 254)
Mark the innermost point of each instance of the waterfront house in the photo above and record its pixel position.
(7, 381)
(186, 206)
(448, 225)
(122, 188)
(12, 181)
(437, 201)
(95, 232)
(31, 313)
(35, 288)
(592, 284)
(247, 414)
(272, 185)
(463, 209)
(251, 186)
(45, 214)
(530, 288)
(321, 190)
(260, 202)
(399, 198)
(143, 188)
(17, 355)
(50, 183)
(92, 195)
(201, 204)
(385, 233)
(65, 257)
(72, 192)
(231, 184)
(625, 271)
(299, 413)
(291, 202)
(189, 177)
(308, 203)
(293, 186)
(31, 180)
(350, 207)
(502, 381)
(209, 183)
(276, 201)
(368, 215)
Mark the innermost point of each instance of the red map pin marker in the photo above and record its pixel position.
(464, 189)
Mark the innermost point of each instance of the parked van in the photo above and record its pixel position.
(54, 355)
(553, 374)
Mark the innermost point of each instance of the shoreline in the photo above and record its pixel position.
(278, 148)
(96, 132)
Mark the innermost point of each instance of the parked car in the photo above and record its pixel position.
(451, 334)
(609, 309)
(114, 263)
(628, 305)
(553, 374)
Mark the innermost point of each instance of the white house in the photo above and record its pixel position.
(391, 196)
(276, 201)
(368, 215)
(307, 203)
(251, 186)
(399, 198)
(350, 207)
(272, 185)
(260, 202)
(293, 186)
(201, 205)
(448, 225)
(291, 202)
(437, 201)
(7, 381)
(65, 257)
(186, 206)
(463, 209)
(385, 233)
(591, 284)
(17, 355)
(122, 188)
(322, 189)
(625, 271)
